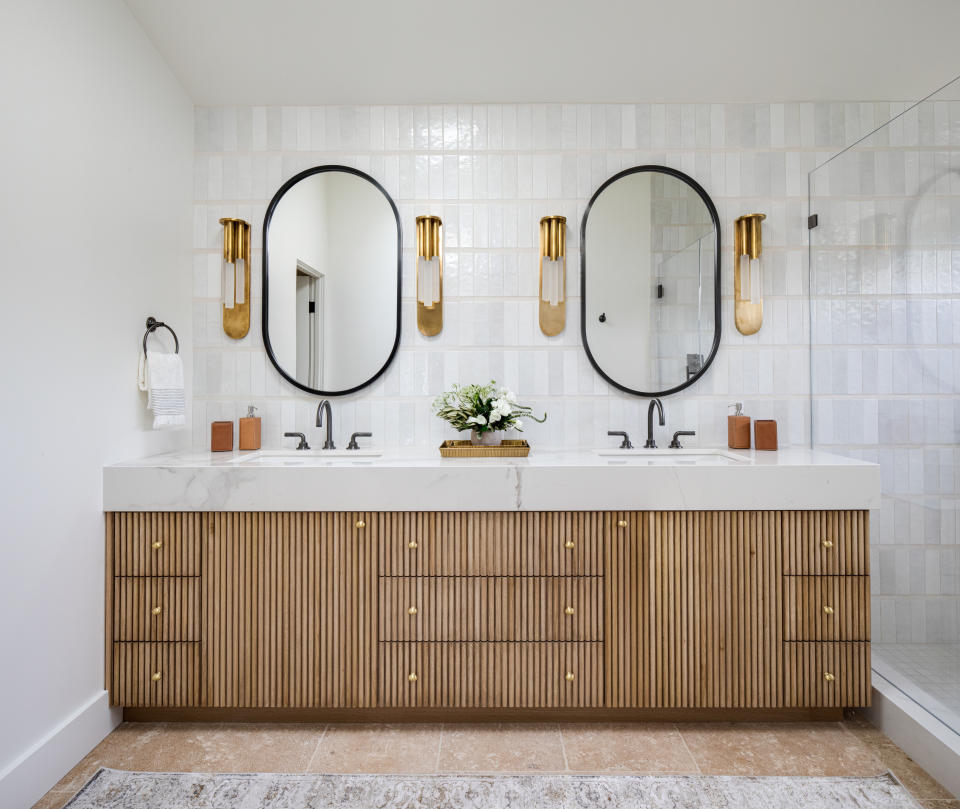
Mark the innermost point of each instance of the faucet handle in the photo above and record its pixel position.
(353, 439)
(625, 444)
(303, 439)
(675, 444)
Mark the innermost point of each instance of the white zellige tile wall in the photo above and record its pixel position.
(491, 172)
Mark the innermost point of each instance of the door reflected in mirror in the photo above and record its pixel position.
(331, 280)
(650, 300)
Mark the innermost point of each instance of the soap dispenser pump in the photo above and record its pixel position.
(738, 428)
(250, 430)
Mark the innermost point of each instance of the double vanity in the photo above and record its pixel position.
(624, 583)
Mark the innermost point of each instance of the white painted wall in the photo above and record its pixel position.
(95, 163)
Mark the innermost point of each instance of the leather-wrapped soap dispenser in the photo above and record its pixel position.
(738, 428)
(250, 430)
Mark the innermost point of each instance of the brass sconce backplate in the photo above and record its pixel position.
(553, 246)
(236, 245)
(747, 241)
(430, 246)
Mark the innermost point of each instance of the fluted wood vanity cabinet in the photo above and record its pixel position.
(479, 611)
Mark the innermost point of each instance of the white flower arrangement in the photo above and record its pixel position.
(483, 408)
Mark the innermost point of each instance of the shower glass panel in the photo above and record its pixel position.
(885, 368)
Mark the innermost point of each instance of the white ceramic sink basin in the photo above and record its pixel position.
(310, 457)
(670, 457)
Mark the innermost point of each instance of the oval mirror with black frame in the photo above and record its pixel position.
(650, 281)
(331, 280)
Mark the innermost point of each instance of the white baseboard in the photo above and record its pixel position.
(32, 775)
(922, 736)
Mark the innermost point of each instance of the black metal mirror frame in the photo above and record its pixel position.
(266, 284)
(583, 278)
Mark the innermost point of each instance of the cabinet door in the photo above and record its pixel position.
(694, 605)
(289, 610)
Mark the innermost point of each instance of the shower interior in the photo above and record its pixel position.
(884, 371)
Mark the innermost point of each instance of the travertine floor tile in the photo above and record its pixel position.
(400, 748)
(921, 785)
(54, 799)
(778, 749)
(517, 747)
(635, 747)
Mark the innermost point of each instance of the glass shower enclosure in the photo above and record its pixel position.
(885, 368)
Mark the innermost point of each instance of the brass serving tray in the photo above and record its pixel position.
(464, 449)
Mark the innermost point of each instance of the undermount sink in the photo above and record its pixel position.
(670, 457)
(310, 457)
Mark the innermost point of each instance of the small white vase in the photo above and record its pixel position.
(491, 438)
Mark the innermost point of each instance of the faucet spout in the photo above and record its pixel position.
(651, 444)
(325, 405)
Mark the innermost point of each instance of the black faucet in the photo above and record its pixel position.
(675, 444)
(651, 444)
(325, 405)
(625, 444)
(353, 440)
(303, 439)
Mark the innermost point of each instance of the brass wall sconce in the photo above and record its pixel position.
(553, 274)
(748, 273)
(429, 275)
(235, 277)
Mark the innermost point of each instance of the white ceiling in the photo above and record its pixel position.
(408, 51)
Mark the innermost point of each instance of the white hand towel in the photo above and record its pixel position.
(163, 375)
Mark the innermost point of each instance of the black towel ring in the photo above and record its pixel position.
(152, 325)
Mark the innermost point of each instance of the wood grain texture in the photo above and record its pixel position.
(289, 610)
(176, 597)
(807, 665)
(826, 543)
(693, 614)
(825, 608)
(491, 543)
(136, 664)
(177, 534)
(491, 675)
(491, 608)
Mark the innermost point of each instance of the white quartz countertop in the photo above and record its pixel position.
(544, 481)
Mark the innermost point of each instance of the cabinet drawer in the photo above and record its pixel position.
(826, 543)
(826, 607)
(434, 608)
(165, 608)
(557, 543)
(156, 544)
(155, 674)
(826, 675)
(491, 675)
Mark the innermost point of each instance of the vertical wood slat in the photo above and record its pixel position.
(693, 606)
(826, 543)
(179, 536)
(289, 610)
(488, 608)
(808, 664)
(805, 600)
(491, 675)
(134, 665)
(178, 599)
(491, 543)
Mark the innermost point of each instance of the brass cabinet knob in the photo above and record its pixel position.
(828, 609)
(412, 677)
(412, 544)
(156, 676)
(361, 524)
(157, 544)
(828, 677)
(157, 610)
(828, 543)
(412, 611)
(622, 523)
(569, 611)
(569, 677)
(569, 545)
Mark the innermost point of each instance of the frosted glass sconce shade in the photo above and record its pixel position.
(553, 274)
(429, 275)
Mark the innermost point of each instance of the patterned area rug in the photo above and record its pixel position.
(117, 789)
